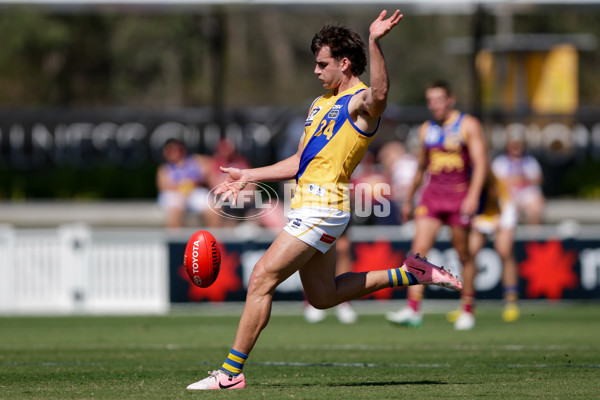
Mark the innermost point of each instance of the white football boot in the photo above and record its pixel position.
(345, 313)
(406, 316)
(465, 321)
(313, 315)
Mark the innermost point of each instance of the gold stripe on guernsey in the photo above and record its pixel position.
(405, 281)
(315, 225)
(394, 277)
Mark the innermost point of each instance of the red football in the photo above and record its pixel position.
(202, 259)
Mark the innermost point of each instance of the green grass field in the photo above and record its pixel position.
(552, 352)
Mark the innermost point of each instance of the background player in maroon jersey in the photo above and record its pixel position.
(452, 156)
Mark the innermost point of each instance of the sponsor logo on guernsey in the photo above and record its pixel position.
(316, 190)
(311, 117)
(433, 135)
(327, 238)
(335, 111)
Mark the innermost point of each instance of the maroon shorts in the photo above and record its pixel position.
(444, 207)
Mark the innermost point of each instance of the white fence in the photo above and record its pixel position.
(73, 269)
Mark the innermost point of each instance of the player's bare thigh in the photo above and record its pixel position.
(504, 242)
(477, 240)
(318, 279)
(285, 256)
(426, 232)
(460, 241)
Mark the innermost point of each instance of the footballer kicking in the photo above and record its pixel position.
(340, 125)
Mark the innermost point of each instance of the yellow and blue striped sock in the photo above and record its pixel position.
(511, 294)
(400, 277)
(234, 363)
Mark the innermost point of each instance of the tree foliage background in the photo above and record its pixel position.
(165, 59)
(234, 56)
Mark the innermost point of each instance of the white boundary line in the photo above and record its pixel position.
(374, 365)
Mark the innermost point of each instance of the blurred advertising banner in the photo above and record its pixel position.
(551, 269)
(546, 81)
(82, 139)
(557, 90)
(49, 153)
(32, 139)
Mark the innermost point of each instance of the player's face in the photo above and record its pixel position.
(439, 103)
(327, 69)
(515, 148)
(173, 152)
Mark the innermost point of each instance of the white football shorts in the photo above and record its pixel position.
(317, 227)
(196, 201)
(507, 219)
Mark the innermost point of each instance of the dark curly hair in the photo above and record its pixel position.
(342, 42)
(440, 84)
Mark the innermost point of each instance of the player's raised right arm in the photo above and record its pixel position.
(372, 102)
(379, 79)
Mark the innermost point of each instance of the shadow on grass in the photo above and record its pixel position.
(361, 384)
(388, 383)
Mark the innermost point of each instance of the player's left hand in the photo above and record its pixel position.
(469, 205)
(233, 184)
(380, 27)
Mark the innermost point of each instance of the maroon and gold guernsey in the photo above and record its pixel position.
(448, 167)
(448, 162)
